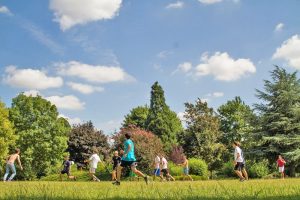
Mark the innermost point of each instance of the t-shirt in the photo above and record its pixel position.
(116, 161)
(164, 163)
(130, 155)
(157, 162)
(67, 165)
(94, 161)
(280, 163)
(236, 152)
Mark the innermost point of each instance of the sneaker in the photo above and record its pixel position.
(116, 183)
(242, 179)
(146, 178)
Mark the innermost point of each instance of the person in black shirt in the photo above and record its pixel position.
(66, 169)
(116, 160)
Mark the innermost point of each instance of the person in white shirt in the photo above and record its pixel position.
(239, 164)
(164, 169)
(93, 160)
(157, 168)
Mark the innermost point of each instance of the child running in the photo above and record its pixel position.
(93, 160)
(66, 169)
(129, 159)
(280, 163)
(116, 160)
(157, 168)
(164, 169)
(10, 165)
(238, 162)
(185, 165)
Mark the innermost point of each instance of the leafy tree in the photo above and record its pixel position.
(137, 117)
(7, 134)
(83, 139)
(147, 145)
(280, 117)
(201, 139)
(161, 120)
(42, 135)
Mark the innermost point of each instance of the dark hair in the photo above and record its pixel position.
(17, 150)
(237, 143)
(127, 135)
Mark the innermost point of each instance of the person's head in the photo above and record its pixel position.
(95, 151)
(17, 151)
(279, 156)
(66, 157)
(127, 135)
(116, 153)
(236, 144)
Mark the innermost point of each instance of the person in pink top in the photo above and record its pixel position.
(280, 163)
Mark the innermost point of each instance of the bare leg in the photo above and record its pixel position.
(239, 174)
(114, 175)
(137, 172)
(245, 174)
(119, 170)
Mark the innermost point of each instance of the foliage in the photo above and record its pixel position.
(280, 117)
(174, 169)
(176, 154)
(7, 134)
(259, 169)
(161, 120)
(83, 139)
(198, 167)
(146, 144)
(137, 117)
(227, 169)
(42, 135)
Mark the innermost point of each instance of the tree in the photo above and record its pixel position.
(161, 120)
(202, 136)
(7, 134)
(83, 139)
(280, 117)
(137, 117)
(42, 135)
(147, 145)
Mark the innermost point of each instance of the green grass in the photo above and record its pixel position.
(206, 190)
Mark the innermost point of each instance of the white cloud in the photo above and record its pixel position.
(30, 79)
(72, 121)
(110, 126)
(93, 73)
(5, 10)
(223, 67)
(210, 1)
(183, 67)
(164, 54)
(289, 51)
(68, 102)
(69, 13)
(180, 115)
(84, 88)
(215, 94)
(32, 93)
(176, 5)
(279, 27)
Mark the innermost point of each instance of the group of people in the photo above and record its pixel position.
(128, 159)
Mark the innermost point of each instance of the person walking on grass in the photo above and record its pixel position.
(10, 165)
(157, 168)
(239, 163)
(116, 160)
(185, 166)
(165, 170)
(129, 160)
(93, 160)
(280, 164)
(66, 169)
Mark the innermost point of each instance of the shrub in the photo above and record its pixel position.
(174, 169)
(259, 169)
(198, 167)
(227, 169)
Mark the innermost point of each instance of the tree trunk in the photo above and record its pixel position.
(292, 170)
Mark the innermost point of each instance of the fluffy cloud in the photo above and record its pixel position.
(210, 1)
(68, 102)
(279, 27)
(72, 121)
(176, 5)
(289, 51)
(5, 10)
(180, 115)
(183, 67)
(33, 93)
(223, 67)
(30, 79)
(91, 73)
(215, 94)
(84, 88)
(69, 13)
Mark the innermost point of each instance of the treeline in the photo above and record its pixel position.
(268, 129)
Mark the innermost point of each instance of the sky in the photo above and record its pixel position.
(97, 59)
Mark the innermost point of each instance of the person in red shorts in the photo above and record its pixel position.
(280, 163)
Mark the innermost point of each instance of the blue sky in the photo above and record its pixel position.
(97, 59)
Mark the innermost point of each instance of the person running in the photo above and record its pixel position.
(10, 165)
(93, 160)
(185, 166)
(116, 160)
(129, 160)
(157, 168)
(244, 172)
(164, 169)
(66, 169)
(238, 162)
(280, 163)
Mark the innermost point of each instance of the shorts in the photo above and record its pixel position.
(281, 169)
(239, 166)
(186, 171)
(156, 172)
(92, 170)
(125, 163)
(64, 171)
(165, 172)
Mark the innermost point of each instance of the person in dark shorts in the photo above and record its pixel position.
(116, 160)
(238, 162)
(129, 160)
(164, 169)
(66, 169)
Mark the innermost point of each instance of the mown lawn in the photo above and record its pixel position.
(207, 190)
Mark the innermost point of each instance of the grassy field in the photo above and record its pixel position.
(206, 190)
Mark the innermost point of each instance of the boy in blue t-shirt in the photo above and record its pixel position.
(128, 159)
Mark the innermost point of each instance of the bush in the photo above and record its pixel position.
(227, 170)
(259, 170)
(198, 167)
(174, 169)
